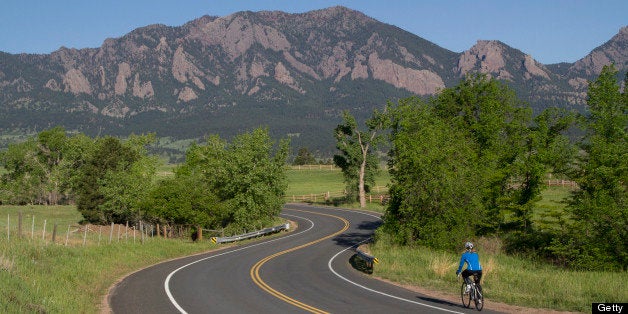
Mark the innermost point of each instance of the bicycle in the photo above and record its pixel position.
(470, 291)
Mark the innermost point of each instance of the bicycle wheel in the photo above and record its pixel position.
(466, 297)
(479, 298)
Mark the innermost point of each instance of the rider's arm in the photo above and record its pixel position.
(462, 261)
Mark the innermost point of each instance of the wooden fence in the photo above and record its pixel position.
(563, 183)
(314, 167)
(379, 194)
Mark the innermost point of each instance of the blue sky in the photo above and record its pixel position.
(550, 30)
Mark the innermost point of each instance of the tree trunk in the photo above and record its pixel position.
(361, 189)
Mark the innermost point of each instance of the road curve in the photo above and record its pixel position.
(305, 271)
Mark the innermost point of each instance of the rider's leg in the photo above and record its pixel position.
(478, 277)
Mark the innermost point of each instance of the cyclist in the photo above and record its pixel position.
(472, 259)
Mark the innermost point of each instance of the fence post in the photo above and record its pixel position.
(85, 235)
(200, 234)
(158, 235)
(8, 229)
(43, 233)
(19, 224)
(67, 235)
(54, 233)
(111, 233)
(33, 229)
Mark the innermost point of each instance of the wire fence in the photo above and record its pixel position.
(28, 227)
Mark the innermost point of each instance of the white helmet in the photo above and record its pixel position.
(468, 245)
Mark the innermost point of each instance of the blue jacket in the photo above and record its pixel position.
(472, 259)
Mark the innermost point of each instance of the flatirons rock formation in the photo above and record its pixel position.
(293, 73)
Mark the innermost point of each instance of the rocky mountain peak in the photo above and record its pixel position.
(614, 51)
(487, 56)
(300, 69)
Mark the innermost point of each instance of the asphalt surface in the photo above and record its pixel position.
(305, 271)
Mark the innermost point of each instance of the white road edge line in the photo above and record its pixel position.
(373, 290)
(167, 281)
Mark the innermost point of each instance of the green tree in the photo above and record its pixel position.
(123, 189)
(498, 126)
(246, 179)
(470, 162)
(358, 161)
(304, 157)
(21, 184)
(184, 199)
(112, 178)
(434, 196)
(543, 149)
(596, 239)
(35, 171)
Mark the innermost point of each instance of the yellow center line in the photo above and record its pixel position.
(258, 280)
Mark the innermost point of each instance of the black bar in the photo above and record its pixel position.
(609, 307)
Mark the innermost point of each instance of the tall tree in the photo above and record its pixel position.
(358, 161)
(435, 200)
(469, 163)
(111, 176)
(544, 149)
(599, 209)
(124, 187)
(497, 124)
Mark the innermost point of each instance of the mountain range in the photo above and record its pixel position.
(293, 73)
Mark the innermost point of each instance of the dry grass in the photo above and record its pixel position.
(489, 268)
(6, 264)
(442, 265)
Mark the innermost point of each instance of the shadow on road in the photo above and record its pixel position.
(353, 238)
(439, 301)
(350, 239)
(369, 225)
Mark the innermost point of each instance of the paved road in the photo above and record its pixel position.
(305, 271)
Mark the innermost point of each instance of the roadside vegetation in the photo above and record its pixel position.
(52, 278)
(512, 279)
